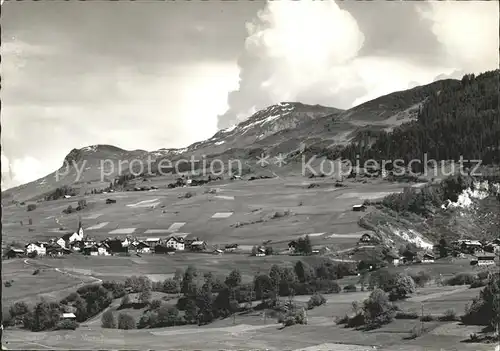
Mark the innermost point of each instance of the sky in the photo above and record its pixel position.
(148, 75)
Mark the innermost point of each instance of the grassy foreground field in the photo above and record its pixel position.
(324, 211)
(252, 332)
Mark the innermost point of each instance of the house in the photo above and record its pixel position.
(260, 252)
(67, 196)
(469, 246)
(358, 208)
(13, 253)
(142, 247)
(37, 247)
(428, 258)
(91, 250)
(161, 249)
(484, 260)
(198, 246)
(320, 250)
(77, 245)
(103, 249)
(365, 238)
(292, 246)
(152, 242)
(62, 240)
(230, 247)
(116, 246)
(57, 251)
(176, 243)
(218, 252)
(392, 259)
(70, 316)
(409, 257)
(126, 242)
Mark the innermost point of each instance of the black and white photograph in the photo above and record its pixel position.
(238, 175)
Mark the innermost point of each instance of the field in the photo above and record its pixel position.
(323, 209)
(246, 213)
(252, 331)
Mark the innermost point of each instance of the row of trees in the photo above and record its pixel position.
(205, 297)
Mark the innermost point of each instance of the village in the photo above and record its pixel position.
(480, 253)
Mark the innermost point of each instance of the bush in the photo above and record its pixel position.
(155, 304)
(342, 320)
(449, 316)
(484, 275)
(461, 279)
(68, 210)
(36, 271)
(327, 286)
(478, 284)
(108, 320)
(293, 317)
(350, 288)
(428, 318)
(67, 324)
(378, 310)
(421, 278)
(416, 332)
(31, 207)
(126, 321)
(406, 315)
(316, 300)
(474, 338)
(8, 284)
(357, 321)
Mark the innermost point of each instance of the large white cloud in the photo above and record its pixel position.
(309, 51)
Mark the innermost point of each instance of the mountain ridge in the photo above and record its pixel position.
(279, 128)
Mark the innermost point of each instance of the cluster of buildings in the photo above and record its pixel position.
(77, 242)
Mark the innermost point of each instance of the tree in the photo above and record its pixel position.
(18, 309)
(126, 321)
(187, 280)
(191, 311)
(145, 296)
(168, 316)
(304, 272)
(485, 310)
(178, 274)
(44, 316)
(205, 304)
(108, 320)
(443, 248)
(125, 300)
(304, 245)
(82, 204)
(377, 309)
(155, 304)
(403, 286)
(262, 286)
(171, 286)
(254, 250)
(233, 279)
